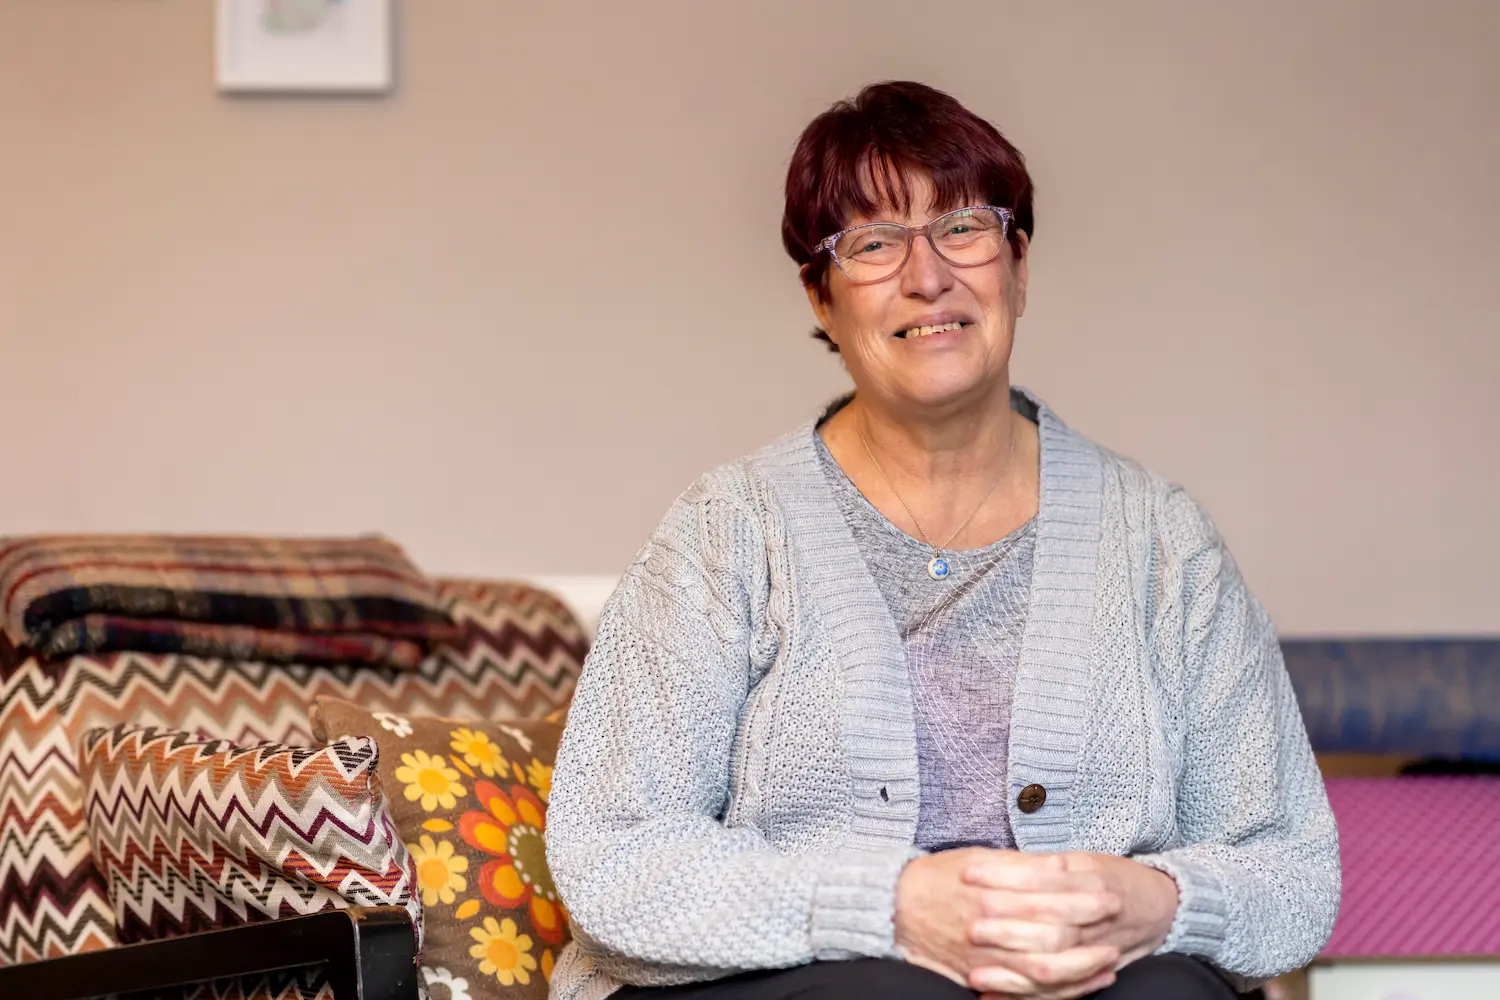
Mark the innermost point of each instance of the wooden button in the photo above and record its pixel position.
(1032, 798)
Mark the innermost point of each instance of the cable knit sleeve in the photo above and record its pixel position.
(1258, 870)
(659, 887)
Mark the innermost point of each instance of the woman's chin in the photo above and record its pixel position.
(945, 390)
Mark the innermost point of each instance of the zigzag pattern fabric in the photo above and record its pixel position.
(191, 835)
(304, 983)
(297, 984)
(519, 654)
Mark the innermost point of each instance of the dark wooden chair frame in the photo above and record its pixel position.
(369, 953)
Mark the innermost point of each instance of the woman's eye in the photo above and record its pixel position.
(957, 229)
(870, 247)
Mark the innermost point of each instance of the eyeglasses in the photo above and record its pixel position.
(873, 252)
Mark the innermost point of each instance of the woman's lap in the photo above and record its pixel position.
(1169, 977)
(874, 979)
(1162, 977)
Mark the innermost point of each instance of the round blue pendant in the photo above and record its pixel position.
(938, 568)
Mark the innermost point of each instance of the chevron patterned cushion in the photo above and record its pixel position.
(306, 983)
(470, 799)
(309, 982)
(194, 834)
(518, 654)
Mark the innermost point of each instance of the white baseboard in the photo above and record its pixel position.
(585, 595)
(1394, 979)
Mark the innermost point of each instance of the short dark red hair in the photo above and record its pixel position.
(861, 154)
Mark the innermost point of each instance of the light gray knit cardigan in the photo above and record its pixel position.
(737, 786)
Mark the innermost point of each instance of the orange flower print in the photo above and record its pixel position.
(511, 828)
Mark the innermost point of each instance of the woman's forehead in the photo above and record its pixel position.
(889, 194)
(917, 213)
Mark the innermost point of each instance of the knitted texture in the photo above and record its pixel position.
(738, 782)
(962, 639)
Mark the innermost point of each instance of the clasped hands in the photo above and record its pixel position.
(1032, 926)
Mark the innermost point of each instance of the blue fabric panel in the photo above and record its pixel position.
(1426, 697)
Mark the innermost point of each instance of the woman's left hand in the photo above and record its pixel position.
(1148, 901)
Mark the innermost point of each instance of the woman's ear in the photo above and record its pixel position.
(1021, 272)
(817, 299)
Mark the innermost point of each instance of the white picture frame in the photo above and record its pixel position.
(304, 46)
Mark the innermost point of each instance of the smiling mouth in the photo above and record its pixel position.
(913, 332)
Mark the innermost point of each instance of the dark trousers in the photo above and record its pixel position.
(1160, 977)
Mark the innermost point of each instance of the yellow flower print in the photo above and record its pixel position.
(541, 778)
(502, 952)
(430, 779)
(478, 751)
(520, 774)
(548, 962)
(439, 870)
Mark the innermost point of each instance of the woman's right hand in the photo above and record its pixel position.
(1020, 936)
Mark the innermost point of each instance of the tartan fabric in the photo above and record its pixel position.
(518, 652)
(300, 585)
(191, 835)
(107, 633)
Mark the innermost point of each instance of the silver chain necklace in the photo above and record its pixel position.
(937, 566)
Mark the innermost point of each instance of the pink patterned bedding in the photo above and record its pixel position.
(1421, 866)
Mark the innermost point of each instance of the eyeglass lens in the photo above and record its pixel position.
(965, 238)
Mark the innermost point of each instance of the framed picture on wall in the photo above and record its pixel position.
(304, 46)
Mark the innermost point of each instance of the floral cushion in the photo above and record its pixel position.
(470, 800)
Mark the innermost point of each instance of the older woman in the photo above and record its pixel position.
(933, 696)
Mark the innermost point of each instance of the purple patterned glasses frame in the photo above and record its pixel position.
(879, 260)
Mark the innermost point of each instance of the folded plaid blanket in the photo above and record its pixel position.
(109, 633)
(282, 599)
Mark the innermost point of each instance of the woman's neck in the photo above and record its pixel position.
(941, 465)
(943, 449)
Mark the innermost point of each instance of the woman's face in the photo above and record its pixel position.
(873, 324)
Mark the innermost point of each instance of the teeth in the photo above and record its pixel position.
(927, 331)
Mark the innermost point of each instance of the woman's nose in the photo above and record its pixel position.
(925, 273)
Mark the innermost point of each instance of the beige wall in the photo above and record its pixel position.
(1268, 237)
